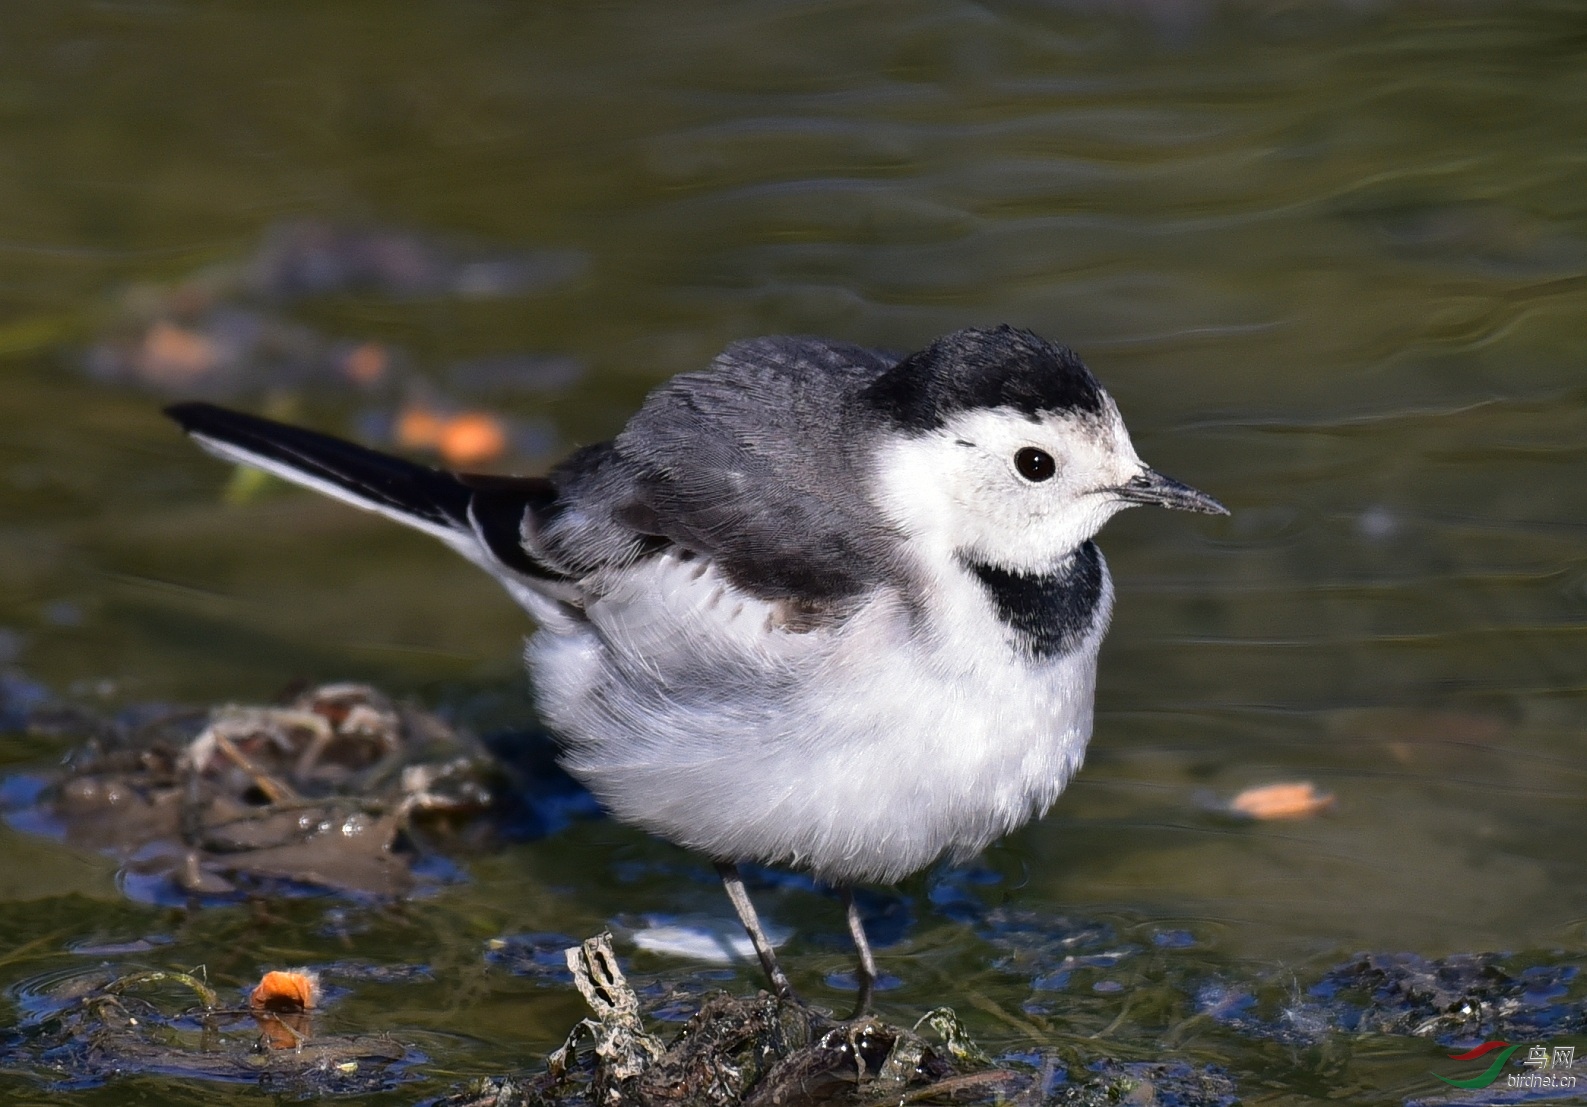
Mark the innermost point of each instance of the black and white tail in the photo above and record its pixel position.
(481, 517)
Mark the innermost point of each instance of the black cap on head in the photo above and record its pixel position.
(974, 369)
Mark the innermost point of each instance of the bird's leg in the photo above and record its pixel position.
(746, 915)
(867, 969)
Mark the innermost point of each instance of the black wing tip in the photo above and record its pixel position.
(194, 416)
(188, 410)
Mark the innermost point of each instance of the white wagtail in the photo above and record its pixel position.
(819, 605)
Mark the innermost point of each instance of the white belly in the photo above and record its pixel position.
(860, 752)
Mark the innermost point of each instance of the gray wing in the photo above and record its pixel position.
(755, 463)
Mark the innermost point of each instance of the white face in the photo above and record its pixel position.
(997, 488)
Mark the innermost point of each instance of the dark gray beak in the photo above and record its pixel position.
(1151, 487)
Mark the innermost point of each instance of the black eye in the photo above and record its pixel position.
(1035, 465)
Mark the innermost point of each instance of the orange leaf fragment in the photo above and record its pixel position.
(419, 428)
(472, 438)
(286, 991)
(173, 355)
(1282, 801)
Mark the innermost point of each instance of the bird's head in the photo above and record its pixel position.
(1000, 448)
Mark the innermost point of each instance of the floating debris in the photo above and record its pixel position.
(624, 1049)
(464, 439)
(228, 350)
(281, 1005)
(1299, 800)
(286, 990)
(225, 332)
(709, 939)
(326, 792)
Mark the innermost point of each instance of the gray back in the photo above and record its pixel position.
(759, 463)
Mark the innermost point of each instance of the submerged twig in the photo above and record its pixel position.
(205, 993)
(275, 791)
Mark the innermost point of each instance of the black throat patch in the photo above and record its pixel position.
(1050, 614)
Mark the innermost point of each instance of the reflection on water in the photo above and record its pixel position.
(1330, 258)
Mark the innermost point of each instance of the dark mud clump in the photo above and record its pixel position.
(759, 1050)
(763, 1051)
(334, 790)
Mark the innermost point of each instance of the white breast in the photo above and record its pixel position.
(861, 751)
